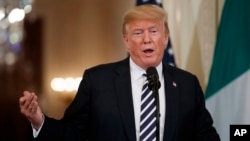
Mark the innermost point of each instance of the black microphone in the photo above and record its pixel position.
(153, 78)
(154, 84)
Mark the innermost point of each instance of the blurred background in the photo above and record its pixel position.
(45, 46)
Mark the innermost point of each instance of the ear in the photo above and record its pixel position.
(166, 40)
(126, 41)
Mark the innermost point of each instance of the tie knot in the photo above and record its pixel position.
(145, 81)
(144, 76)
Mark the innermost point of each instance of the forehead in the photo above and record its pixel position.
(144, 23)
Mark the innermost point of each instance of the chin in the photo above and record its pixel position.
(151, 64)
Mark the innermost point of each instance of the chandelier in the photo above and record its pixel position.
(12, 14)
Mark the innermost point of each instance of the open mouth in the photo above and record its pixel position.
(148, 51)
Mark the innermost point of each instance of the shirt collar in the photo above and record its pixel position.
(137, 72)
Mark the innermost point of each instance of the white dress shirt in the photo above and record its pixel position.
(137, 83)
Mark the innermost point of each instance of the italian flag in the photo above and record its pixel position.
(228, 89)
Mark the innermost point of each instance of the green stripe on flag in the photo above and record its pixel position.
(232, 51)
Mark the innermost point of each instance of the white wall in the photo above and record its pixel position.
(193, 26)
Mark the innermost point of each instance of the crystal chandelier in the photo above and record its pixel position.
(12, 14)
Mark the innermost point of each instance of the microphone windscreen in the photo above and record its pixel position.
(151, 71)
(153, 78)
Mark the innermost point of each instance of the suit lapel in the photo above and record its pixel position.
(172, 103)
(124, 96)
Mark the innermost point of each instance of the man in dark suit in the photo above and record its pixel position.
(107, 104)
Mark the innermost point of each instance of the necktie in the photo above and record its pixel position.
(148, 114)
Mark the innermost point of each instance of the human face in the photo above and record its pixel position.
(145, 41)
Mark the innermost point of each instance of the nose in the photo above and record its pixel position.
(146, 38)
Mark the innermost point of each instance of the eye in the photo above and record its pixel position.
(137, 33)
(153, 31)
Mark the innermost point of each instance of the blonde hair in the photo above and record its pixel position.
(146, 11)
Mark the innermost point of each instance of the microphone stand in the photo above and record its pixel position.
(154, 85)
(156, 94)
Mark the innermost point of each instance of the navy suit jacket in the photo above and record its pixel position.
(103, 108)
